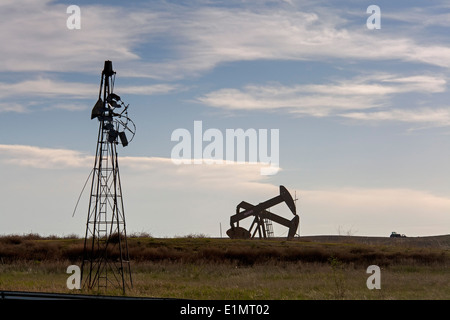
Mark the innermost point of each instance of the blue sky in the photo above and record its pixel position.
(362, 114)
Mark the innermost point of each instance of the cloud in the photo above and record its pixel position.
(192, 39)
(35, 90)
(68, 106)
(150, 89)
(234, 177)
(43, 158)
(421, 83)
(421, 17)
(45, 87)
(217, 35)
(432, 116)
(12, 107)
(319, 100)
(42, 25)
(217, 176)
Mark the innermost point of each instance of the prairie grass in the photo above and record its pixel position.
(202, 268)
(274, 281)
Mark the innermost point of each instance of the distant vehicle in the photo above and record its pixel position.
(397, 235)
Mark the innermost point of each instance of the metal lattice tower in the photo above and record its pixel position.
(106, 262)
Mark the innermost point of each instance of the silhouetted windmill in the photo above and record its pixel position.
(106, 261)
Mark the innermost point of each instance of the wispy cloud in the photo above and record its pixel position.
(430, 116)
(45, 87)
(12, 107)
(421, 17)
(50, 89)
(218, 176)
(44, 158)
(338, 97)
(151, 89)
(194, 38)
(38, 40)
(217, 35)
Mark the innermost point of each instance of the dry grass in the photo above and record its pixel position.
(202, 268)
(242, 252)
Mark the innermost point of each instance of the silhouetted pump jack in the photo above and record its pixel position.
(263, 218)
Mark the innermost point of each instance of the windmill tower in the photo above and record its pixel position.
(106, 262)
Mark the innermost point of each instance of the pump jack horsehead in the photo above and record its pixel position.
(262, 217)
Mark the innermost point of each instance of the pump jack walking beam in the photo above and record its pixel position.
(260, 213)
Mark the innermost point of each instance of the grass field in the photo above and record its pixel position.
(193, 267)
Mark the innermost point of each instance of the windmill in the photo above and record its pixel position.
(106, 262)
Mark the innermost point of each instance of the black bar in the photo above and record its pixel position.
(156, 308)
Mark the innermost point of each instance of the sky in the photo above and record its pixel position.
(359, 102)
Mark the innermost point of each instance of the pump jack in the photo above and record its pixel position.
(261, 215)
